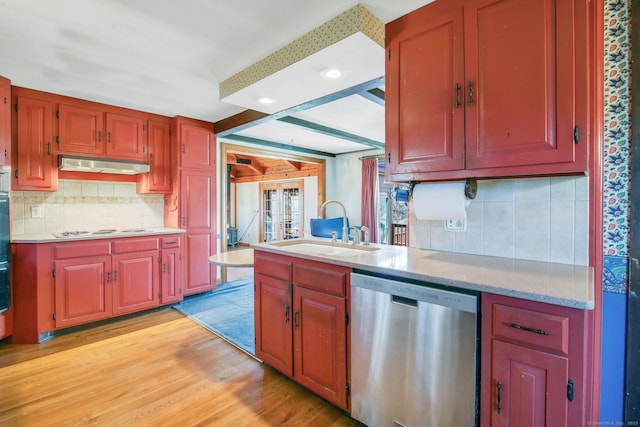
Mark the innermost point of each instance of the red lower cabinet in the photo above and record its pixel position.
(65, 284)
(273, 314)
(136, 281)
(301, 311)
(534, 369)
(530, 386)
(82, 290)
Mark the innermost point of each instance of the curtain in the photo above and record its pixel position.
(370, 198)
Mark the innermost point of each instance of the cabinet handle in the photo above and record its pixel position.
(151, 158)
(296, 320)
(184, 221)
(458, 88)
(99, 136)
(184, 148)
(109, 137)
(499, 396)
(470, 92)
(144, 148)
(164, 267)
(524, 328)
(286, 313)
(115, 275)
(48, 148)
(108, 277)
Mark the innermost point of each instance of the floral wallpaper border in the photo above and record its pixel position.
(617, 131)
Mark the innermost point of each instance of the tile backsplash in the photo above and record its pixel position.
(84, 205)
(540, 219)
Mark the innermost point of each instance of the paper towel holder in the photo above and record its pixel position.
(470, 188)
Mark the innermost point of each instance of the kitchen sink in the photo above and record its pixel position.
(319, 247)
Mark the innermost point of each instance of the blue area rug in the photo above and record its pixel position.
(227, 311)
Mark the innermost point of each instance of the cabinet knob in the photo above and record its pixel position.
(470, 90)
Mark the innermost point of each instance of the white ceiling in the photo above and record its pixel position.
(168, 57)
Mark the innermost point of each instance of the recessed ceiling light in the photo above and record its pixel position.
(266, 100)
(331, 73)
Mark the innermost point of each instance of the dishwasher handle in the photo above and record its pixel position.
(409, 302)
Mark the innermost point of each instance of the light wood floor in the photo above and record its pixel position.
(155, 369)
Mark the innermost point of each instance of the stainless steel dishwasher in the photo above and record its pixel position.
(413, 354)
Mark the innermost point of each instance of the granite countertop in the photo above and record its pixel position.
(560, 284)
(95, 234)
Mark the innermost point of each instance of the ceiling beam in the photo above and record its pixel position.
(239, 122)
(278, 145)
(325, 130)
(296, 165)
(374, 95)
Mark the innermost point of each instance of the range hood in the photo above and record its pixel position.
(88, 164)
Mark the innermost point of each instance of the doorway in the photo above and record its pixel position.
(281, 210)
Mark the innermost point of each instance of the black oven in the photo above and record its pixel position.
(5, 253)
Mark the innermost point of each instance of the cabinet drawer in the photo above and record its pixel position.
(273, 266)
(319, 277)
(170, 242)
(135, 245)
(531, 327)
(82, 249)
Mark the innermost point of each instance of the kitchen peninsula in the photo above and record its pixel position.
(531, 315)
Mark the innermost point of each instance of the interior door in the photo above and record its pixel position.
(281, 210)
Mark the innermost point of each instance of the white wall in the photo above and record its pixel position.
(247, 199)
(344, 183)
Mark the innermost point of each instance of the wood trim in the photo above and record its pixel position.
(632, 385)
(593, 349)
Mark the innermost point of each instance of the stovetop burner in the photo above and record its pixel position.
(70, 233)
(75, 233)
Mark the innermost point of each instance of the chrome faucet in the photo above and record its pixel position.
(345, 230)
(356, 234)
(366, 235)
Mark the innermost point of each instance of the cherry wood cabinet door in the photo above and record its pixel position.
(82, 290)
(171, 276)
(519, 82)
(136, 281)
(81, 130)
(158, 180)
(425, 108)
(197, 207)
(5, 121)
(273, 319)
(35, 166)
(529, 387)
(320, 353)
(197, 147)
(125, 137)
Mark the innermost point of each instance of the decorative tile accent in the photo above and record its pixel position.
(616, 128)
(615, 274)
(356, 19)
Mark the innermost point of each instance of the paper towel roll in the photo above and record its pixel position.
(440, 200)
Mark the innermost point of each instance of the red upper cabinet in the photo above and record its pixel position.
(425, 115)
(197, 146)
(125, 137)
(81, 130)
(505, 77)
(159, 179)
(5, 121)
(35, 166)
